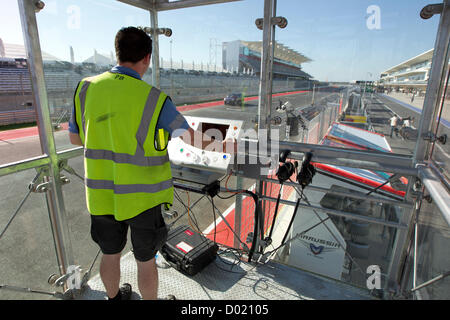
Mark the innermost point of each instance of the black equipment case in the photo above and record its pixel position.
(188, 251)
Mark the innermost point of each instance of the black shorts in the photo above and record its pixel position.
(148, 233)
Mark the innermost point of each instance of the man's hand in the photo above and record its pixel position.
(75, 139)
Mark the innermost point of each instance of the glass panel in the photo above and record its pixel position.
(201, 217)
(71, 52)
(358, 55)
(432, 257)
(441, 151)
(192, 76)
(325, 105)
(79, 221)
(213, 78)
(367, 63)
(218, 77)
(318, 235)
(18, 132)
(27, 250)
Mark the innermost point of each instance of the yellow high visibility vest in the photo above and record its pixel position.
(127, 169)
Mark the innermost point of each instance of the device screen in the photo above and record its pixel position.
(216, 131)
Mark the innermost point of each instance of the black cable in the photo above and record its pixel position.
(276, 211)
(214, 217)
(225, 198)
(256, 218)
(237, 257)
(234, 264)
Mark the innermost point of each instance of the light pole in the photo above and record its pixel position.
(370, 76)
(171, 66)
(313, 92)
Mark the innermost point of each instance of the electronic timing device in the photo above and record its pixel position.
(203, 166)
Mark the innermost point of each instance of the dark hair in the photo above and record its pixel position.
(132, 44)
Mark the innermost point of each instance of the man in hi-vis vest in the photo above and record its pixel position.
(124, 125)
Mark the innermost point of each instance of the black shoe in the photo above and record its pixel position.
(124, 293)
(168, 297)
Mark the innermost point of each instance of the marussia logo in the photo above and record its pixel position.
(316, 249)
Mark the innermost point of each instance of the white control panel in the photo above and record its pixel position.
(185, 155)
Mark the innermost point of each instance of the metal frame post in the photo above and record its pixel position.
(265, 83)
(265, 89)
(399, 251)
(55, 201)
(435, 84)
(238, 212)
(155, 50)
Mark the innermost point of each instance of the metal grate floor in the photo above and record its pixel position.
(223, 280)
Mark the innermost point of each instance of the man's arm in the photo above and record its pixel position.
(74, 131)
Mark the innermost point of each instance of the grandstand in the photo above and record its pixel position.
(245, 56)
(15, 92)
(16, 100)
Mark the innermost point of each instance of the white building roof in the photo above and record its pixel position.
(17, 51)
(427, 55)
(100, 59)
(281, 52)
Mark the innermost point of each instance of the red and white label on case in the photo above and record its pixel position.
(183, 246)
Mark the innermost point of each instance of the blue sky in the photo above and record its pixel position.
(334, 34)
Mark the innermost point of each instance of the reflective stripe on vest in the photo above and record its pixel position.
(128, 188)
(144, 161)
